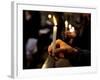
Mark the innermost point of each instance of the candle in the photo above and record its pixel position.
(72, 29)
(70, 26)
(54, 33)
(66, 25)
(54, 20)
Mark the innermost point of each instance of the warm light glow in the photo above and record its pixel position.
(72, 29)
(55, 29)
(70, 26)
(54, 34)
(66, 23)
(54, 20)
(49, 16)
(54, 38)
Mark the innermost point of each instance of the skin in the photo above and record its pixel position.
(61, 49)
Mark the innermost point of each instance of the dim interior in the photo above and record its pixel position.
(38, 34)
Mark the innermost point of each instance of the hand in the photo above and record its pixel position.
(61, 49)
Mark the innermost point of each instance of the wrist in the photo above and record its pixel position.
(74, 52)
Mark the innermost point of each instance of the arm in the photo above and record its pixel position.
(80, 58)
(76, 56)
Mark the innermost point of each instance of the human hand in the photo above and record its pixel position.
(61, 49)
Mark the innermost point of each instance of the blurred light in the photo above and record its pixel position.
(72, 29)
(27, 16)
(49, 16)
(66, 23)
(54, 20)
(70, 26)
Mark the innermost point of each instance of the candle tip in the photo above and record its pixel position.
(70, 26)
(49, 16)
(54, 19)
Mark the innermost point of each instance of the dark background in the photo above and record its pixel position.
(39, 20)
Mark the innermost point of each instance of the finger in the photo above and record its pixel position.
(60, 50)
(51, 46)
(58, 41)
(49, 50)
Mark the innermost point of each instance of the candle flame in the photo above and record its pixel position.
(70, 26)
(66, 23)
(72, 29)
(54, 20)
(49, 16)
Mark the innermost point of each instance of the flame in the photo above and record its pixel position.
(66, 23)
(70, 26)
(54, 20)
(49, 16)
(72, 29)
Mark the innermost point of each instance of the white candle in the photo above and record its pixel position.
(55, 21)
(54, 33)
(66, 25)
(72, 29)
(70, 26)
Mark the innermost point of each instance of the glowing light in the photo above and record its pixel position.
(72, 29)
(66, 23)
(54, 20)
(70, 26)
(49, 16)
